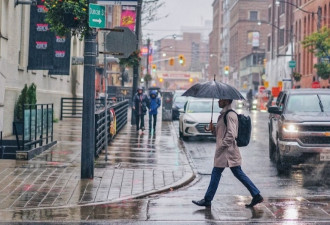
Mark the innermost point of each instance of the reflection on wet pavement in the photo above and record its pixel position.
(137, 164)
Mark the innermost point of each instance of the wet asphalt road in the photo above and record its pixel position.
(301, 197)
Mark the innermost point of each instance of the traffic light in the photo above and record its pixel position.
(265, 62)
(161, 80)
(171, 62)
(181, 60)
(154, 67)
(226, 70)
(191, 80)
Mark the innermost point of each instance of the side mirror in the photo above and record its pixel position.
(275, 110)
(181, 110)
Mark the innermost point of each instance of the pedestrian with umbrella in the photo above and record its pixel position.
(226, 131)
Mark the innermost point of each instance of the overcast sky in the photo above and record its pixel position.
(180, 13)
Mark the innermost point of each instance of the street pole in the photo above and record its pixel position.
(148, 46)
(319, 19)
(106, 102)
(88, 117)
(136, 67)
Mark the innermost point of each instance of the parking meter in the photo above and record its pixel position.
(167, 106)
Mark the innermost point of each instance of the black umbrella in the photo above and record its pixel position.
(213, 89)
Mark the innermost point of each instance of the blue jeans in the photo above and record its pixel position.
(152, 125)
(238, 173)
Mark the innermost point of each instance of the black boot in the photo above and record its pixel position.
(255, 200)
(202, 203)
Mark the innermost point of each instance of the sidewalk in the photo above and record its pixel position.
(138, 165)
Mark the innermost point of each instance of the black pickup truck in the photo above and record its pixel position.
(299, 128)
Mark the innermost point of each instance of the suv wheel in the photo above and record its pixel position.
(281, 166)
(272, 149)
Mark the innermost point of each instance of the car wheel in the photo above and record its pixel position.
(180, 133)
(272, 149)
(185, 138)
(281, 166)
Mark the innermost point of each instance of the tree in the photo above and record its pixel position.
(150, 11)
(319, 44)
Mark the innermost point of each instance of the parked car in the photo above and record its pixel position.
(178, 104)
(195, 116)
(299, 128)
(178, 93)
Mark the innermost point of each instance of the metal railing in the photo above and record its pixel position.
(71, 108)
(38, 125)
(117, 114)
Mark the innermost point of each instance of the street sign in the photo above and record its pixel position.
(292, 64)
(96, 16)
(114, 2)
(121, 42)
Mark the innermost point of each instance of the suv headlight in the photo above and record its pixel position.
(290, 128)
(188, 121)
(255, 101)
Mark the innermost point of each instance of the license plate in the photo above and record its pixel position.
(324, 156)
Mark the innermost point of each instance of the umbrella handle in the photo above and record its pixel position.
(209, 128)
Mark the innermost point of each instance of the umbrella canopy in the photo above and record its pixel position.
(213, 89)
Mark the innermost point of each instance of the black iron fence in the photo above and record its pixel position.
(71, 108)
(116, 120)
(38, 125)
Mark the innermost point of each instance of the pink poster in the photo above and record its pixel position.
(128, 17)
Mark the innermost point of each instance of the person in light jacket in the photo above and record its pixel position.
(227, 155)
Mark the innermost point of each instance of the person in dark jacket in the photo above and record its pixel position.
(140, 104)
(154, 104)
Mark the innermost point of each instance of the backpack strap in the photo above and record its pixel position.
(225, 116)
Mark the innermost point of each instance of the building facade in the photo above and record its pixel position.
(14, 47)
(311, 17)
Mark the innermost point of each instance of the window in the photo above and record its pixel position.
(253, 15)
(269, 14)
(268, 43)
(281, 8)
(281, 37)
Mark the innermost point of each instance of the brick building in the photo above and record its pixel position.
(247, 37)
(305, 24)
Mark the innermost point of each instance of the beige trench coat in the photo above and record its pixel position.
(227, 153)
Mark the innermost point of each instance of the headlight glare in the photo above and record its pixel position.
(290, 128)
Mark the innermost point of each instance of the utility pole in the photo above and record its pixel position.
(319, 19)
(136, 67)
(88, 117)
(148, 46)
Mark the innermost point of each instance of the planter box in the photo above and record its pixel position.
(19, 128)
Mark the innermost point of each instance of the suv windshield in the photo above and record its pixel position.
(202, 106)
(308, 103)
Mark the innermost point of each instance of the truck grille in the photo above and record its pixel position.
(200, 127)
(315, 140)
(317, 128)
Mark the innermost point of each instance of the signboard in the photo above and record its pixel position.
(292, 64)
(96, 16)
(46, 50)
(114, 2)
(62, 49)
(121, 42)
(41, 39)
(128, 17)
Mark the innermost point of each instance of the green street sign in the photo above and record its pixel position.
(96, 16)
(292, 64)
